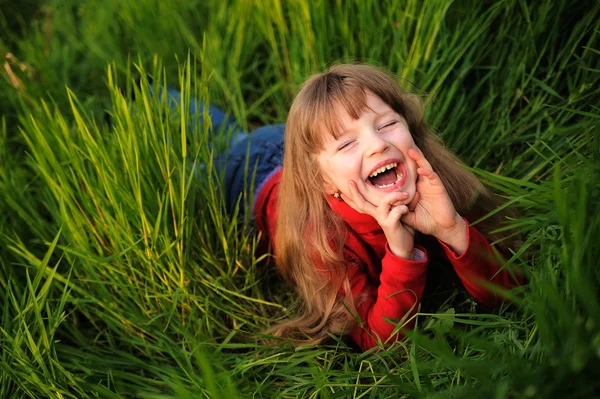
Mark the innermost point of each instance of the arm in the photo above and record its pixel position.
(475, 262)
(397, 297)
(469, 252)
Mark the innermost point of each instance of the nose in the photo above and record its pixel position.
(375, 144)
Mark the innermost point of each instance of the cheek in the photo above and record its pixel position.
(339, 168)
(408, 142)
(330, 176)
(414, 168)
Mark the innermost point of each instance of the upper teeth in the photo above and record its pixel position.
(383, 169)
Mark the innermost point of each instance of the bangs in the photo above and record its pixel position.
(339, 97)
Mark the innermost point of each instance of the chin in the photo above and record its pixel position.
(412, 201)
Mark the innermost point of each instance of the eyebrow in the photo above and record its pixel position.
(341, 133)
(386, 113)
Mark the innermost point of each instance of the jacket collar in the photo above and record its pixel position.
(359, 222)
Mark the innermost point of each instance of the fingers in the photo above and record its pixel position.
(390, 202)
(396, 213)
(424, 167)
(395, 217)
(428, 173)
(379, 211)
(419, 159)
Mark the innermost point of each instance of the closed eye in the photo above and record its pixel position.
(392, 123)
(344, 145)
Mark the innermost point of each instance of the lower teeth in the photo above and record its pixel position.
(391, 184)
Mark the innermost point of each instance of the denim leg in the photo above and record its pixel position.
(262, 151)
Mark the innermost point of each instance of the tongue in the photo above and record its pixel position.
(385, 178)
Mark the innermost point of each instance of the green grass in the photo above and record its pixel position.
(121, 275)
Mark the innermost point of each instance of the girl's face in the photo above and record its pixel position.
(373, 152)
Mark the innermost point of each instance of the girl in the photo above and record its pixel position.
(365, 197)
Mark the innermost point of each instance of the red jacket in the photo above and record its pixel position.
(393, 285)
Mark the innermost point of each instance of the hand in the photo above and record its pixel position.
(433, 214)
(400, 237)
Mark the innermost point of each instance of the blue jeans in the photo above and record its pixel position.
(262, 151)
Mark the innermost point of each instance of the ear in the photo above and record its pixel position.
(328, 186)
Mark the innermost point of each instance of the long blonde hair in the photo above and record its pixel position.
(309, 236)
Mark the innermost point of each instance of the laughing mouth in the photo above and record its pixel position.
(387, 175)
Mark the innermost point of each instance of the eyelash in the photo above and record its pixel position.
(392, 123)
(344, 145)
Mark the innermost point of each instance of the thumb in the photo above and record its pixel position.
(409, 219)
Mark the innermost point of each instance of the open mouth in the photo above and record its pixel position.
(387, 176)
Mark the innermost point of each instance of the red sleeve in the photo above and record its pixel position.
(479, 264)
(397, 297)
(265, 211)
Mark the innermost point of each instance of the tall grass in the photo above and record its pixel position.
(121, 275)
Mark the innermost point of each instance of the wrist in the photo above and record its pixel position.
(404, 254)
(456, 237)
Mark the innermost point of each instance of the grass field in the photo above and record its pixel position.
(121, 274)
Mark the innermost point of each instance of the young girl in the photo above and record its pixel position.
(365, 197)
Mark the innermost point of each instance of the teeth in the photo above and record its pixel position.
(398, 177)
(383, 169)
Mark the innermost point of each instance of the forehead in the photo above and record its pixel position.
(373, 106)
